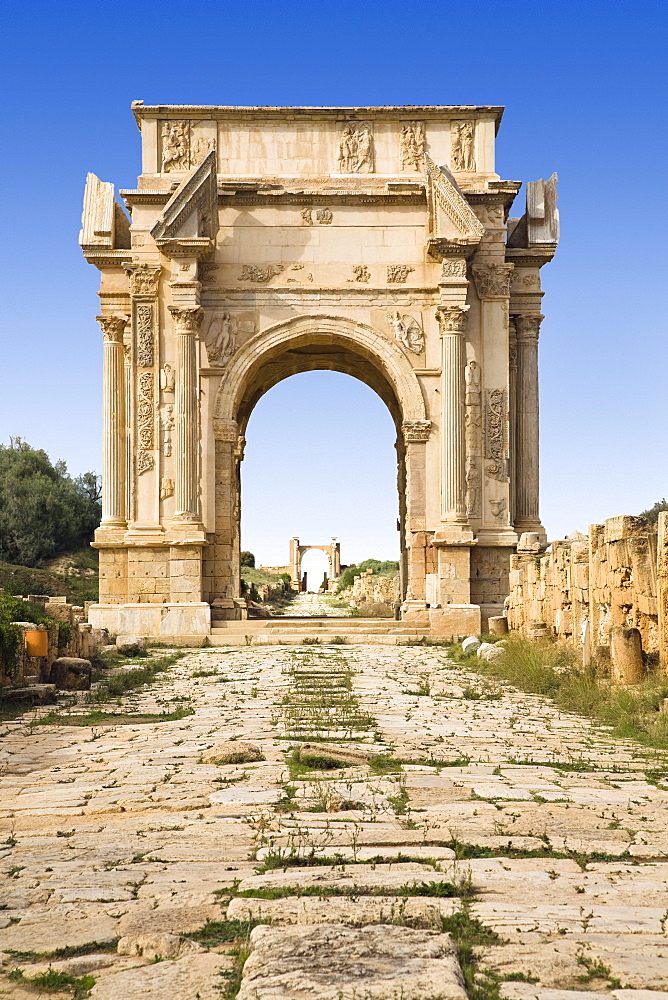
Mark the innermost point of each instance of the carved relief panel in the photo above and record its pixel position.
(462, 146)
(412, 144)
(356, 148)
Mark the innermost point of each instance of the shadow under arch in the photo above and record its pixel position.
(301, 344)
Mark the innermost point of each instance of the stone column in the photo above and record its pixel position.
(451, 320)
(527, 459)
(113, 422)
(127, 373)
(662, 589)
(187, 320)
(512, 408)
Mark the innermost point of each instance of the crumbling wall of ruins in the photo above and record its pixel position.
(617, 575)
(370, 588)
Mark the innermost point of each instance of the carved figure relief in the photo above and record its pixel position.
(307, 218)
(462, 139)
(144, 320)
(167, 378)
(143, 278)
(167, 426)
(453, 267)
(495, 418)
(144, 461)
(175, 146)
(397, 273)
(361, 272)
(324, 216)
(416, 431)
(166, 488)
(221, 339)
(472, 378)
(412, 145)
(473, 487)
(145, 409)
(356, 153)
(200, 149)
(260, 275)
(206, 272)
(408, 331)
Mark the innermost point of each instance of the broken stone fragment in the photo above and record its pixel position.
(71, 673)
(325, 756)
(154, 946)
(232, 752)
(470, 644)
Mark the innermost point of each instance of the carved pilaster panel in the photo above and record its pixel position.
(495, 434)
(144, 334)
(145, 411)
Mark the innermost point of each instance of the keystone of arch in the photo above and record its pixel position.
(357, 337)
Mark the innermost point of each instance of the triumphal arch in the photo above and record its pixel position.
(268, 241)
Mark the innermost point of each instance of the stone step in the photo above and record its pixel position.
(297, 639)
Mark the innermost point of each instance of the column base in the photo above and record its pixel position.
(497, 536)
(530, 526)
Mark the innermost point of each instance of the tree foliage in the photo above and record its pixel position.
(247, 559)
(652, 513)
(44, 512)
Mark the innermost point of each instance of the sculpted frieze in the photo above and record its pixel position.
(397, 273)
(408, 331)
(260, 275)
(356, 152)
(361, 272)
(462, 139)
(453, 267)
(495, 422)
(167, 426)
(175, 146)
(412, 146)
(144, 462)
(473, 487)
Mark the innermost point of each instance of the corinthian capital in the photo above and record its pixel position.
(187, 319)
(451, 319)
(113, 328)
(143, 278)
(492, 281)
(527, 325)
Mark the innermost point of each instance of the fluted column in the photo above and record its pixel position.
(187, 320)
(527, 464)
(451, 320)
(512, 412)
(113, 422)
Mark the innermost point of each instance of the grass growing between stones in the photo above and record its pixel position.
(321, 703)
(550, 669)
(53, 981)
(71, 951)
(217, 932)
(99, 718)
(459, 889)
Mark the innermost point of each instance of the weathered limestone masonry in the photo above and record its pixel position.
(585, 587)
(270, 241)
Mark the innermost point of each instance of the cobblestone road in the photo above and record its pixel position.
(534, 830)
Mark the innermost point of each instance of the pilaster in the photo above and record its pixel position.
(187, 320)
(527, 516)
(114, 511)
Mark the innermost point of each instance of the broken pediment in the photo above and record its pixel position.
(189, 221)
(452, 221)
(539, 226)
(104, 225)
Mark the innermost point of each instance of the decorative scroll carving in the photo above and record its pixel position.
(495, 422)
(492, 281)
(416, 431)
(206, 272)
(451, 319)
(113, 328)
(167, 378)
(408, 331)
(397, 273)
(221, 339)
(462, 138)
(498, 508)
(453, 267)
(145, 410)
(143, 278)
(361, 272)
(144, 461)
(187, 319)
(260, 275)
(144, 325)
(324, 216)
(166, 488)
(167, 426)
(356, 153)
(412, 145)
(175, 146)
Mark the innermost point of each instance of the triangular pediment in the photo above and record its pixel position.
(192, 211)
(450, 215)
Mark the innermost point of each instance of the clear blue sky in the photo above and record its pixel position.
(584, 87)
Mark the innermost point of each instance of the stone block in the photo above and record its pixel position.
(70, 673)
(455, 620)
(470, 644)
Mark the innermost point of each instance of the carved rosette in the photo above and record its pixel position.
(113, 328)
(492, 281)
(451, 319)
(416, 431)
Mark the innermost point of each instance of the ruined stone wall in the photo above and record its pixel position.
(370, 588)
(617, 575)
